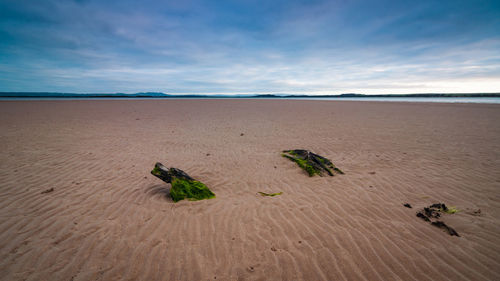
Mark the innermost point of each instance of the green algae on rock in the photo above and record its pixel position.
(270, 194)
(312, 163)
(191, 189)
(183, 186)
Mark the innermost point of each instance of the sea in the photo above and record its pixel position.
(419, 99)
(489, 100)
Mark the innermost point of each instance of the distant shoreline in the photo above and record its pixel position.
(455, 100)
(486, 98)
(56, 95)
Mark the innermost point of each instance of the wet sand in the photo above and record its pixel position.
(108, 218)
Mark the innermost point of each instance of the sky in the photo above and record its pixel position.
(250, 47)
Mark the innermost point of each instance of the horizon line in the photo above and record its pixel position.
(244, 94)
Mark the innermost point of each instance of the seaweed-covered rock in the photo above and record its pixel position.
(312, 163)
(183, 186)
(422, 216)
(448, 229)
(443, 208)
(433, 213)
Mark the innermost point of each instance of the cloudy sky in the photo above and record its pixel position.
(231, 47)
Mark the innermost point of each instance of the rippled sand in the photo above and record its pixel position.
(109, 219)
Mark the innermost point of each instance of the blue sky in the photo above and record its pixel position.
(245, 47)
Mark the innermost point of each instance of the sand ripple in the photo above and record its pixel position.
(109, 219)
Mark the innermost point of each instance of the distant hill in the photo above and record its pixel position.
(75, 95)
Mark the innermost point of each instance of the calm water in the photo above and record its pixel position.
(495, 100)
(445, 100)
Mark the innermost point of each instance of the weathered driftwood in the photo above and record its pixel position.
(312, 163)
(433, 213)
(183, 186)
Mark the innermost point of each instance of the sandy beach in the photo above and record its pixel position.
(108, 218)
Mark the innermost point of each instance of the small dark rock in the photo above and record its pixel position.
(47, 191)
(407, 205)
(242, 134)
(273, 249)
(422, 216)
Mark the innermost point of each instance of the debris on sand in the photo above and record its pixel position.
(47, 191)
(476, 212)
(433, 213)
(407, 205)
(312, 163)
(183, 186)
(270, 194)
